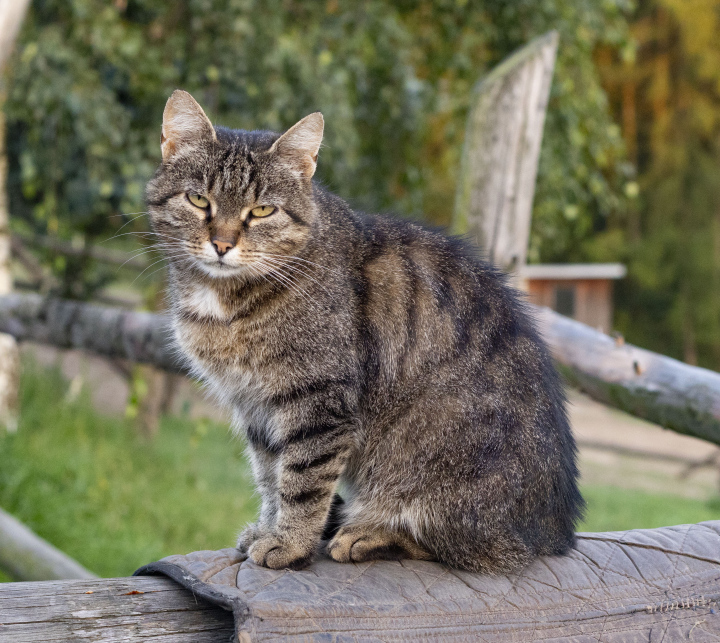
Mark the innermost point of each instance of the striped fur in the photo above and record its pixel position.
(363, 356)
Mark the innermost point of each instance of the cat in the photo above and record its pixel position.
(395, 396)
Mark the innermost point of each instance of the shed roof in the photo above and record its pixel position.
(563, 271)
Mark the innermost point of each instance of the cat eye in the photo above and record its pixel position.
(263, 210)
(198, 200)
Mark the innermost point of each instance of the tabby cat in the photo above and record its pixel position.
(395, 396)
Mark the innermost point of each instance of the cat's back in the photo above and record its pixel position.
(422, 296)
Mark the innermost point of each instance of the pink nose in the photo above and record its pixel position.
(221, 247)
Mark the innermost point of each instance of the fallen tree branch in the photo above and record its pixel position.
(662, 390)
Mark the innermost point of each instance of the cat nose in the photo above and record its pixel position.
(221, 247)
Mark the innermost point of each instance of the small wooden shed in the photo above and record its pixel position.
(582, 291)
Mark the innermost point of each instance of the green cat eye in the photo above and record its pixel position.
(198, 200)
(263, 210)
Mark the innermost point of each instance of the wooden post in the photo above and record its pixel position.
(500, 158)
(11, 16)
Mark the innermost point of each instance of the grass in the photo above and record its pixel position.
(616, 509)
(95, 489)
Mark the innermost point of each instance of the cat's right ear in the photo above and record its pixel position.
(184, 122)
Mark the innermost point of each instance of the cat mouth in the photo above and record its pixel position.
(220, 268)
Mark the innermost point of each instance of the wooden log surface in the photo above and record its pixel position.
(111, 610)
(26, 556)
(660, 389)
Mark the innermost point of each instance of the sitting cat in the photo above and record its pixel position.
(362, 356)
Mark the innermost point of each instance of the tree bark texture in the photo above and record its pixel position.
(660, 389)
(500, 157)
(657, 388)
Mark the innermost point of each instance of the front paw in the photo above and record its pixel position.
(248, 536)
(278, 553)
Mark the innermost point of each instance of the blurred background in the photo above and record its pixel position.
(118, 464)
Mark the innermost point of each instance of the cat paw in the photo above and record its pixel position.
(278, 553)
(247, 537)
(360, 544)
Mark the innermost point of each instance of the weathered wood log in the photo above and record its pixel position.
(654, 387)
(27, 557)
(112, 610)
(112, 332)
(660, 389)
(646, 584)
(502, 146)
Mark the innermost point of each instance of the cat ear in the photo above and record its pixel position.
(184, 121)
(299, 146)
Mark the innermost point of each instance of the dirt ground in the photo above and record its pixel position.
(615, 448)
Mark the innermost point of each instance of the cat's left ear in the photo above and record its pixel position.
(299, 146)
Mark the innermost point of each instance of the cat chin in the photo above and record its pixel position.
(223, 271)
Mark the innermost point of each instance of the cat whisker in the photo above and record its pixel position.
(142, 234)
(157, 262)
(140, 214)
(294, 258)
(288, 282)
(291, 269)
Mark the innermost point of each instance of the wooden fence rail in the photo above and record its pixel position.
(24, 555)
(112, 610)
(677, 396)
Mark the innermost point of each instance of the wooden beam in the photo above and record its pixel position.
(496, 186)
(25, 556)
(654, 387)
(112, 610)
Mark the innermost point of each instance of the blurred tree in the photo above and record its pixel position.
(392, 78)
(11, 16)
(666, 92)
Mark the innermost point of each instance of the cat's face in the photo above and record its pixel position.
(232, 203)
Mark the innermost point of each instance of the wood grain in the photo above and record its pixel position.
(110, 610)
(496, 185)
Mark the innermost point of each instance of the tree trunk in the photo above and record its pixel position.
(11, 15)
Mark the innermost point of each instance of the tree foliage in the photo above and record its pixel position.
(665, 91)
(393, 80)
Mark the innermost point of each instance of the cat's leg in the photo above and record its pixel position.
(264, 466)
(359, 543)
(309, 470)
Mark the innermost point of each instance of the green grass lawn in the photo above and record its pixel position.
(94, 488)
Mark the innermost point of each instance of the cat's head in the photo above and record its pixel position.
(231, 202)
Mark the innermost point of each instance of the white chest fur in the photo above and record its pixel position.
(204, 302)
